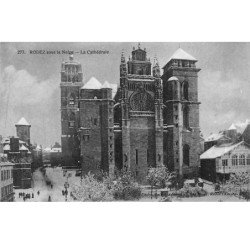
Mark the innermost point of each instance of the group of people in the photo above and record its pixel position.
(26, 196)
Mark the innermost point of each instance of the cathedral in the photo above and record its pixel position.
(151, 120)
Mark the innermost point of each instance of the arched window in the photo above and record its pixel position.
(72, 119)
(248, 159)
(235, 160)
(242, 160)
(117, 114)
(72, 99)
(186, 117)
(186, 155)
(185, 90)
(139, 72)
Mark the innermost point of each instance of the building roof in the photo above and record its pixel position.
(6, 163)
(93, 83)
(6, 147)
(239, 126)
(214, 137)
(56, 150)
(48, 149)
(114, 89)
(23, 148)
(232, 127)
(106, 85)
(182, 55)
(218, 151)
(23, 122)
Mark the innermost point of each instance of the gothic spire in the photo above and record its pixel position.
(156, 68)
(122, 57)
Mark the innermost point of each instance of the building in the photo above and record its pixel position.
(181, 114)
(18, 151)
(71, 82)
(23, 130)
(96, 126)
(151, 120)
(216, 139)
(6, 181)
(218, 162)
(52, 156)
(237, 132)
(37, 157)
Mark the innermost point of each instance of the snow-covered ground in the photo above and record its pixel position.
(56, 177)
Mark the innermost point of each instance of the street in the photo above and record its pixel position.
(55, 176)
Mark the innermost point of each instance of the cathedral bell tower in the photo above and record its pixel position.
(181, 114)
(141, 106)
(71, 82)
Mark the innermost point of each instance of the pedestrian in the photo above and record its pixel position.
(49, 198)
(63, 192)
(23, 198)
(38, 192)
(32, 195)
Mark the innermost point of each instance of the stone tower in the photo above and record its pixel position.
(141, 122)
(71, 82)
(181, 114)
(96, 127)
(23, 130)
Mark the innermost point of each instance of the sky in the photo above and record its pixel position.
(30, 83)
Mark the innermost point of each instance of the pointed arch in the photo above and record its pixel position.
(185, 88)
(72, 120)
(117, 113)
(72, 99)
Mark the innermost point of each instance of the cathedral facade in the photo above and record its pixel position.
(152, 120)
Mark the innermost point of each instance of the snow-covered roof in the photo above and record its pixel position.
(106, 85)
(214, 137)
(114, 89)
(182, 55)
(23, 148)
(56, 150)
(232, 127)
(173, 78)
(23, 122)
(48, 149)
(188, 181)
(217, 151)
(6, 147)
(6, 163)
(5, 140)
(93, 83)
(239, 126)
